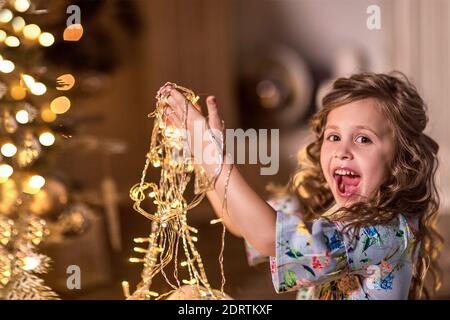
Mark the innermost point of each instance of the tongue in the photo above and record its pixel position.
(348, 184)
(350, 180)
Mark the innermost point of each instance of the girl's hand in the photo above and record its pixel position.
(196, 124)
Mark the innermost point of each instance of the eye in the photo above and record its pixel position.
(333, 137)
(363, 139)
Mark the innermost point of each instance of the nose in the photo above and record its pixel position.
(343, 153)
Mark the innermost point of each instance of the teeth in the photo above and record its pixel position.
(343, 172)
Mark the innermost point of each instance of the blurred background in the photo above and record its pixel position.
(268, 62)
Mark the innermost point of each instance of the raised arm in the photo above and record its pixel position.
(247, 215)
(217, 205)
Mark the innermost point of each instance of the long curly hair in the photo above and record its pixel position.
(410, 188)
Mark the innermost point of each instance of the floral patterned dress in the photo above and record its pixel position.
(327, 263)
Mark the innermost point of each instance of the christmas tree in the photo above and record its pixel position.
(30, 100)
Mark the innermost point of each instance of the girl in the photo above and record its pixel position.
(365, 229)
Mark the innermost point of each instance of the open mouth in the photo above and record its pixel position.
(347, 181)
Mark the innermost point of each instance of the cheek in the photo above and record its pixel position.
(325, 158)
(376, 168)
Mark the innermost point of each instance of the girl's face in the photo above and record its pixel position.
(356, 151)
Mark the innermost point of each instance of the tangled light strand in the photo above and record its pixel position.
(169, 225)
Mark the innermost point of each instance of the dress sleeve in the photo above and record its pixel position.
(384, 256)
(379, 257)
(306, 258)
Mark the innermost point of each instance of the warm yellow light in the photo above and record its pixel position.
(47, 138)
(140, 250)
(156, 163)
(74, 32)
(31, 31)
(5, 15)
(5, 171)
(46, 39)
(8, 149)
(38, 88)
(189, 282)
(29, 80)
(12, 41)
(36, 182)
(6, 66)
(214, 221)
(31, 263)
(65, 82)
(17, 92)
(22, 116)
(153, 293)
(18, 23)
(21, 5)
(48, 115)
(60, 105)
(3, 35)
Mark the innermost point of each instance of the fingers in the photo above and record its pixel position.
(213, 113)
(172, 118)
(178, 102)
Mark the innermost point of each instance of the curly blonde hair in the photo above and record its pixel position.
(410, 188)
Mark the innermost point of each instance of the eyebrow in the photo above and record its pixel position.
(358, 127)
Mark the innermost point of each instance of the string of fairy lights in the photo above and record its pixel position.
(170, 231)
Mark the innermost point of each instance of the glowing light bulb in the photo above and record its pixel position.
(73, 32)
(31, 31)
(8, 149)
(156, 163)
(60, 105)
(189, 282)
(48, 115)
(29, 80)
(12, 41)
(65, 82)
(5, 171)
(5, 15)
(38, 88)
(46, 39)
(126, 289)
(17, 92)
(18, 23)
(36, 182)
(183, 263)
(21, 5)
(47, 138)
(3, 35)
(6, 66)
(22, 116)
(31, 263)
